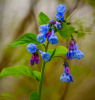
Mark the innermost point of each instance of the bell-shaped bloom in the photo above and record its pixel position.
(48, 34)
(41, 38)
(66, 76)
(44, 55)
(31, 48)
(73, 52)
(59, 16)
(70, 54)
(53, 38)
(79, 54)
(37, 59)
(32, 59)
(43, 29)
(61, 8)
(58, 25)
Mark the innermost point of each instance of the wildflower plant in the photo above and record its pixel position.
(47, 32)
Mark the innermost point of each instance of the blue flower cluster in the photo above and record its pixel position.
(73, 52)
(47, 31)
(31, 48)
(66, 76)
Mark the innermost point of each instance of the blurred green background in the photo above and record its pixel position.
(19, 17)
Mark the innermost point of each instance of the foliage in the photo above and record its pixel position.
(34, 96)
(24, 40)
(42, 18)
(20, 70)
(66, 31)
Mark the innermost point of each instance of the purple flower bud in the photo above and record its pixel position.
(32, 59)
(37, 59)
(48, 34)
(53, 23)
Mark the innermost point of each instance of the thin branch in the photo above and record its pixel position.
(71, 14)
(61, 57)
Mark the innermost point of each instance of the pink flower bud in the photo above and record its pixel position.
(67, 70)
(72, 42)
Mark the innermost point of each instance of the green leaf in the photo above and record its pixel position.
(51, 52)
(59, 50)
(20, 70)
(34, 96)
(24, 40)
(8, 96)
(42, 18)
(66, 30)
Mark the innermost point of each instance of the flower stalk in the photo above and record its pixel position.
(42, 73)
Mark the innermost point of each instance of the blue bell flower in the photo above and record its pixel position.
(32, 59)
(71, 78)
(53, 38)
(61, 8)
(58, 25)
(73, 52)
(78, 54)
(31, 48)
(44, 55)
(65, 78)
(43, 29)
(41, 38)
(59, 16)
(70, 54)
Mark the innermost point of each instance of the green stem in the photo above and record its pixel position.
(40, 84)
(46, 47)
(42, 73)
